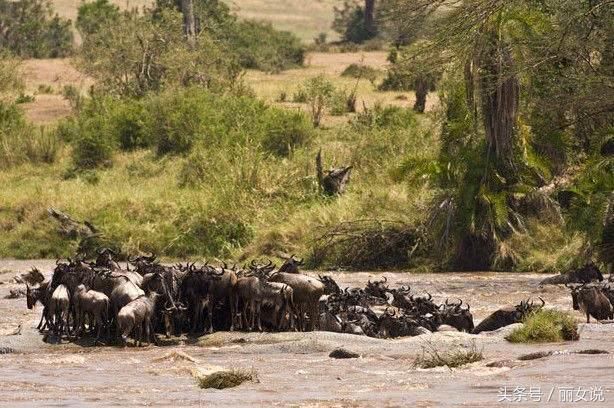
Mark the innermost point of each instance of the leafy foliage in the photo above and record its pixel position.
(140, 54)
(546, 326)
(93, 16)
(31, 30)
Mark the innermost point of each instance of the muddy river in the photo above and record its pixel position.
(293, 369)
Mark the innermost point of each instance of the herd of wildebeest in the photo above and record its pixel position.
(145, 298)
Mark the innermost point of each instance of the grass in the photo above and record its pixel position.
(546, 326)
(227, 379)
(460, 356)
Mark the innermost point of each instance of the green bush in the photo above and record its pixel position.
(129, 125)
(546, 326)
(94, 15)
(20, 142)
(286, 130)
(31, 30)
(260, 46)
(177, 122)
(349, 22)
(94, 145)
(360, 71)
(389, 117)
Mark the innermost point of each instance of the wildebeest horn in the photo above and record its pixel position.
(430, 297)
(542, 300)
(385, 280)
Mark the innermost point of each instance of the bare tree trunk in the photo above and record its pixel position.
(189, 24)
(370, 16)
(500, 96)
(421, 88)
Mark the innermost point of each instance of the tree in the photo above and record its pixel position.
(505, 62)
(92, 16)
(29, 29)
(144, 53)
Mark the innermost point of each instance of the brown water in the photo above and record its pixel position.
(294, 368)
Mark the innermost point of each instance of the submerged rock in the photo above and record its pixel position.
(343, 353)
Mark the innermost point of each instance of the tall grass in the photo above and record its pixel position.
(21, 142)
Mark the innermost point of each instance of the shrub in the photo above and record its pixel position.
(286, 130)
(226, 379)
(129, 125)
(431, 357)
(94, 15)
(342, 102)
(349, 22)
(360, 71)
(31, 30)
(300, 96)
(194, 169)
(93, 147)
(143, 52)
(20, 142)
(260, 46)
(546, 326)
(319, 91)
(177, 122)
(389, 117)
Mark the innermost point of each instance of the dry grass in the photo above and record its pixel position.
(56, 73)
(53, 74)
(226, 379)
(270, 86)
(431, 357)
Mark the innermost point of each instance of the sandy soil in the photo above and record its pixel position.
(294, 368)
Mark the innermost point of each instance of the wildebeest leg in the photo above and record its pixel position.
(43, 316)
(258, 313)
(588, 317)
(210, 307)
(154, 338)
(138, 335)
(233, 310)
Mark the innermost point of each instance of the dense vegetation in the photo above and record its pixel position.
(30, 29)
(170, 151)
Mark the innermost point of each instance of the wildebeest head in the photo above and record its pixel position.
(330, 286)
(31, 297)
(291, 265)
(574, 296)
(457, 316)
(104, 259)
(377, 288)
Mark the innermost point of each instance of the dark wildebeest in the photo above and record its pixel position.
(586, 274)
(453, 314)
(291, 265)
(592, 301)
(507, 315)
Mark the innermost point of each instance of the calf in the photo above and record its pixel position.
(136, 316)
(39, 294)
(59, 306)
(92, 303)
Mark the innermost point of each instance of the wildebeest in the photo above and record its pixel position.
(291, 265)
(307, 292)
(137, 317)
(588, 273)
(453, 314)
(592, 301)
(507, 315)
(59, 306)
(39, 294)
(93, 304)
